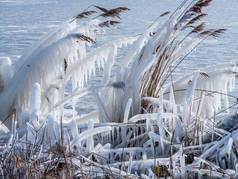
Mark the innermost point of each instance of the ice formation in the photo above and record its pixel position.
(148, 127)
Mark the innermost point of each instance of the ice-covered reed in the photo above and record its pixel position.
(144, 127)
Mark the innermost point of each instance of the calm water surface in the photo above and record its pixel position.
(23, 22)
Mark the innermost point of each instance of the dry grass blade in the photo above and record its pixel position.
(18, 161)
(114, 22)
(65, 65)
(164, 14)
(195, 19)
(84, 38)
(108, 23)
(102, 9)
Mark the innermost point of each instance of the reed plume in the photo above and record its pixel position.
(217, 33)
(114, 12)
(85, 14)
(102, 9)
(195, 19)
(198, 28)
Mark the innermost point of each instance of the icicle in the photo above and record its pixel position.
(102, 55)
(226, 102)
(178, 130)
(200, 139)
(144, 155)
(187, 101)
(162, 133)
(229, 147)
(6, 72)
(201, 103)
(172, 104)
(35, 97)
(182, 164)
(118, 134)
(53, 130)
(148, 124)
(108, 66)
(161, 103)
(90, 141)
(130, 164)
(89, 133)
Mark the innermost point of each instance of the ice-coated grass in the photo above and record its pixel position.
(145, 126)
